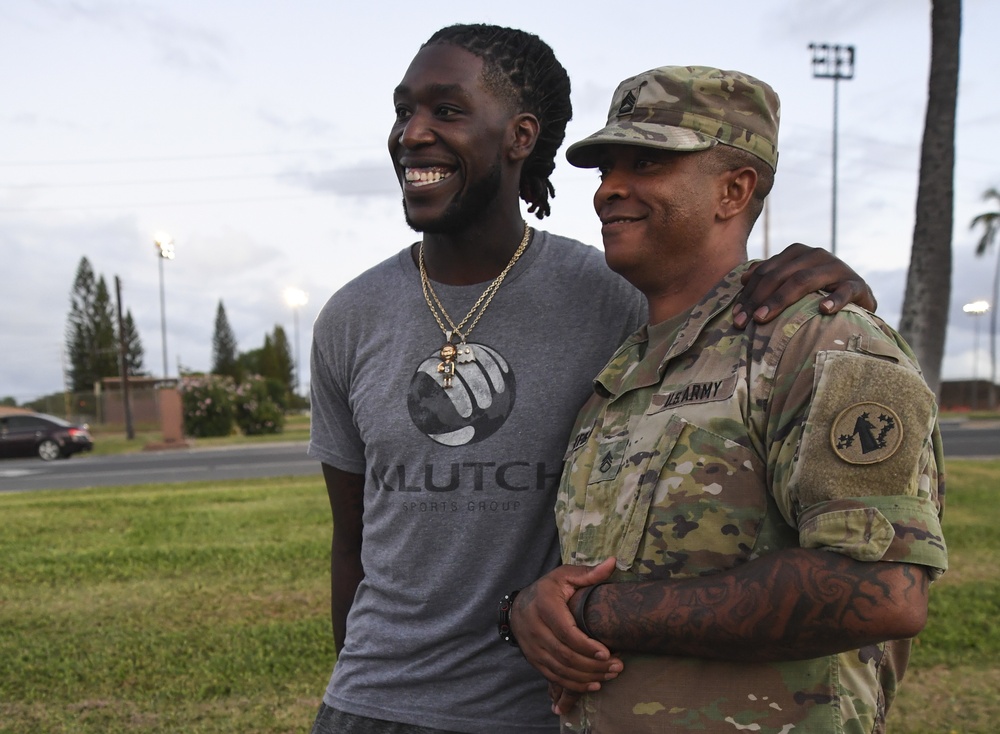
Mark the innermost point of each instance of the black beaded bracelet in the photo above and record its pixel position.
(503, 617)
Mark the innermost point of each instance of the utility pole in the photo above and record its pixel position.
(165, 251)
(833, 61)
(296, 298)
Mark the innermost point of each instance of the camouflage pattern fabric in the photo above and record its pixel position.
(688, 108)
(710, 447)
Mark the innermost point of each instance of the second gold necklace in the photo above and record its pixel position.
(450, 353)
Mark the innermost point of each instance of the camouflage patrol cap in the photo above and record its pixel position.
(688, 108)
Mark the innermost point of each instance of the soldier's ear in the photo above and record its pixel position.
(738, 186)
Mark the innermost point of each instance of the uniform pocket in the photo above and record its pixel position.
(643, 471)
(705, 509)
(596, 514)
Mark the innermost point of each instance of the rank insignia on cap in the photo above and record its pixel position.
(866, 433)
(627, 107)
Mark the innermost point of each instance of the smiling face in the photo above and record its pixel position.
(657, 209)
(673, 223)
(448, 141)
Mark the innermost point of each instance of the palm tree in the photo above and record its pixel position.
(928, 282)
(990, 222)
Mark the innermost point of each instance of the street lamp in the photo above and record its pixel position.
(833, 61)
(165, 248)
(975, 309)
(296, 298)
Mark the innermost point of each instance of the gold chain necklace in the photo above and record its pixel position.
(462, 353)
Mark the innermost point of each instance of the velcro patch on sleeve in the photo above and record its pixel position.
(868, 423)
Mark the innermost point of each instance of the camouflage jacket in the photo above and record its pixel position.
(715, 446)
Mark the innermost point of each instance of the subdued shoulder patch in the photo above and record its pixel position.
(859, 402)
(866, 433)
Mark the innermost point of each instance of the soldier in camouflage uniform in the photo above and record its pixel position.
(771, 498)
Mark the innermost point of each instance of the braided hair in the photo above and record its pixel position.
(521, 69)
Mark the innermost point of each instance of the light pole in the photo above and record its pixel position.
(833, 61)
(296, 298)
(975, 309)
(165, 248)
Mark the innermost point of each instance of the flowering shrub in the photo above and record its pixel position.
(256, 411)
(208, 405)
(214, 405)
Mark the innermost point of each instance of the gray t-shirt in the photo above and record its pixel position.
(459, 482)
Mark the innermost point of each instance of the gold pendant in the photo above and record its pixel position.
(446, 368)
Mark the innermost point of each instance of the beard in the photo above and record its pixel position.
(466, 210)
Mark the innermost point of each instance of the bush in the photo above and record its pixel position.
(278, 392)
(257, 412)
(215, 405)
(208, 405)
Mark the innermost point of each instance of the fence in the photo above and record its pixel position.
(105, 405)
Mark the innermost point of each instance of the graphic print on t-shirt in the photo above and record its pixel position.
(477, 403)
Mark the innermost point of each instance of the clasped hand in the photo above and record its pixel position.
(551, 641)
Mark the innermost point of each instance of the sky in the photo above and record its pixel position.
(254, 134)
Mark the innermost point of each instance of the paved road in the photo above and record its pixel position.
(282, 459)
(971, 439)
(176, 465)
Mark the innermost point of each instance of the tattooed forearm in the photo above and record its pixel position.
(792, 605)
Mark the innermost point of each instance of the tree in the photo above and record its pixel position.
(285, 365)
(90, 330)
(269, 365)
(224, 354)
(105, 333)
(928, 282)
(133, 345)
(250, 361)
(990, 222)
(273, 363)
(78, 328)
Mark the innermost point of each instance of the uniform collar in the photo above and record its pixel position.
(639, 363)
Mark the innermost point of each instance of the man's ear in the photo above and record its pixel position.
(524, 134)
(739, 185)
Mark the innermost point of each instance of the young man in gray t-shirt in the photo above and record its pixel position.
(445, 382)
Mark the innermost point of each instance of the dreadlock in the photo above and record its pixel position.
(521, 69)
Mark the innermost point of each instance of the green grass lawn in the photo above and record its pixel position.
(166, 608)
(111, 439)
(953, 685)
(203, 608)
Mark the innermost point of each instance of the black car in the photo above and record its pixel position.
(43, 435)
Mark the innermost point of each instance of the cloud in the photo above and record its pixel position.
(310, 126)
(834, 18)
(179, 44)
(359, 180)
(28, 120)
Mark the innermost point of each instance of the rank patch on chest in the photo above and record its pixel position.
(609, 458)
(866, 433)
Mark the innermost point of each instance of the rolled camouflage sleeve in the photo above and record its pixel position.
(856, 449)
